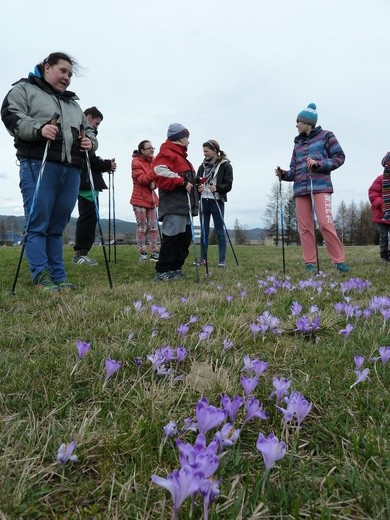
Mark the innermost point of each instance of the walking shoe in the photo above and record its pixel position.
(84, 260)
(143, 256)
(221, 264)
(200, 262)
(386, 215)
(385, 255)
(154, 256)
(178, 274)
(164, 277)
(310, 268)
(43, 281)
(343, 268)
(66, 285)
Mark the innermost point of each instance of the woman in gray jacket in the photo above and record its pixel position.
(36, 111)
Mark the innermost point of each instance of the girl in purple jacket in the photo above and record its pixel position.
(316, 154)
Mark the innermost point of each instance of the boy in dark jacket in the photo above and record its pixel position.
(87, 220)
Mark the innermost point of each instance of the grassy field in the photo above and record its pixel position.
(337, 465)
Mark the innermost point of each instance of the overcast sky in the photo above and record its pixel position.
(235, 71)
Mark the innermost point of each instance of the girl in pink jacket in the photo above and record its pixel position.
(376, 199)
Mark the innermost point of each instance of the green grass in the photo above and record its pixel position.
(337, 466)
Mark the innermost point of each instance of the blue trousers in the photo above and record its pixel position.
(56, 198)
(210, 209)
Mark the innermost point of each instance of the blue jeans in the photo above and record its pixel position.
(56, 198)
(209, 209)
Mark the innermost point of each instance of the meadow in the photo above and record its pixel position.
(180, 346)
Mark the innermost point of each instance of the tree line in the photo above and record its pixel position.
(353, 221)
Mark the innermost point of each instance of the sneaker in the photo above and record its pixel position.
(200, 262)
(178, 274)
(84, 260)
(310, 268)
(143, 257)
(385, 255)
(343, 268)
(43, 281)
(154, 256)
(66, 285)
(164, 277)
(386, 215)
(221, 264)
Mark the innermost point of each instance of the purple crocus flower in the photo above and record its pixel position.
(209, 488)
(138, 306)
(297, 406)
(255, 328)
(255, 365)
(111, 367)
(206, 331)
(243, 293)
(362, 375)
(254, 409)
(281, 386)
(271, 449)
(296, 308)
(208, 416)
(249, 384)
(181, 354)
(181, 484)
(227, 344)
(359, 360)
(82, 348)
(347, 331)
(183, 329)
(65, 453)
(384, 353)
(228, 435)
(231, 405)
(170, 430)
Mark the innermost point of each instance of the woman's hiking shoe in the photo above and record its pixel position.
(343, 268)
(83, 260)
(66, 286)
(143, 256)
(221, 265)
(310, 268)
(44, 282)
(154, 256)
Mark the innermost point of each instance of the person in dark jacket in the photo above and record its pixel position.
(28, 113)
(144, 200)
(175, 179)
(316, 154)
(87, 220)
(215, 180)
(375, 195)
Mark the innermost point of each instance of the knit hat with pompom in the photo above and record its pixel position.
(308, 115)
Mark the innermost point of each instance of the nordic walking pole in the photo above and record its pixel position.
(193, 239)
(282, 225)
(82, 134)
(203, 232)
(224, 225)
(109, 217)
(113, 210)
(313, 211)
(53, 121)
(156, 210)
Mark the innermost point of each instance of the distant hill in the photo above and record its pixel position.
(12, 228)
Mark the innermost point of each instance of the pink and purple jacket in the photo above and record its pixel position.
(376, 199)
(323, 147)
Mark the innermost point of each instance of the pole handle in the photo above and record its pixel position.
(54, 118)
(82, 131)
